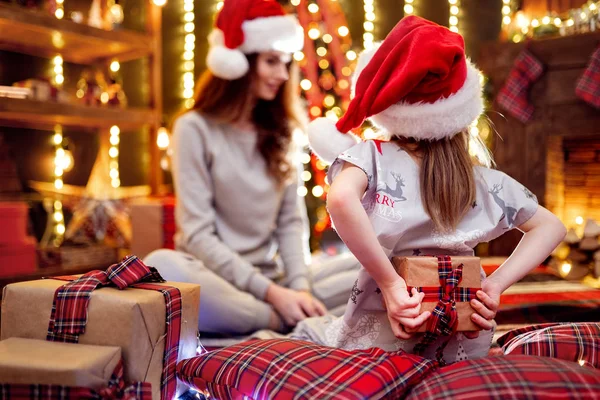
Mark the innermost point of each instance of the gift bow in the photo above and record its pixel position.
(444, 317)
(69, 313)
(70, 308)
(116, 389)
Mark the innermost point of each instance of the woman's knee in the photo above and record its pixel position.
(169, 263)
(159, 257)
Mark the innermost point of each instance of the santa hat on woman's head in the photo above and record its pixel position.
(250, 26)
(417, 84)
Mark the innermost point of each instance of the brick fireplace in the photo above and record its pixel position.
(573, 178)
(556, 154)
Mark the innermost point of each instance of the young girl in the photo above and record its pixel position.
(419, 193)
(241, 225)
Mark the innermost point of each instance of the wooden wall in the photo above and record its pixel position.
(522, 150)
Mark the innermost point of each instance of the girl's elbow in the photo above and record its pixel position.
(335, 200)
(338, 200)
(561, 229)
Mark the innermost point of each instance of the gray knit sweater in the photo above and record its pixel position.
(230, 214)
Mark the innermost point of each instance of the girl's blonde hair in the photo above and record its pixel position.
(447, 176)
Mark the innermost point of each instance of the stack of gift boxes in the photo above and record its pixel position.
(17, 249)
(117, 334)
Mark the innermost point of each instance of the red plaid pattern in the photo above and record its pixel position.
(569, 341)
(173, 321)
(511, 377)
(294, 369)
(116, 390)
(69, 309)
(169, 226)
(588, 86)
(444, 318)
(513, 96)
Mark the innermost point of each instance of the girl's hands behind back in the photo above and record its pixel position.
(403, 309)
(485, 306)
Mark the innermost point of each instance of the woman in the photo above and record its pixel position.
(241, 225)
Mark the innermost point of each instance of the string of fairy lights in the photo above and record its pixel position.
(59, 13)
(62, 161)
(409, 8)
(369, 24)
(506, 13)
(454, 12)
(518, 26)
(188, 55)
(113, 153)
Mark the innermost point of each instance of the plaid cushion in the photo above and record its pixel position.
(569, 341)
(286, 369)
(588, 86)
(511, 377)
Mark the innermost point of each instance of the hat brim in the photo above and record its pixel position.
(430, 121)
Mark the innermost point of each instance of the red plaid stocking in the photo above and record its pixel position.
(588, 86)
(513, 97)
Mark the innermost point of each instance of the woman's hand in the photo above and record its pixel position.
(485, 306)
(403, 309)
(294, 306)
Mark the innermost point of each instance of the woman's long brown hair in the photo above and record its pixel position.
(447, 178)
(224, 101)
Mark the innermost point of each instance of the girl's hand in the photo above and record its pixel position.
(403, 309)
(486, 307)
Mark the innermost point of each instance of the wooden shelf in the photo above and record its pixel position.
(42, 273)
(43, 115)
(35, 33)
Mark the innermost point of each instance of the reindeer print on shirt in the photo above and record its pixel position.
(386, 199)
(508, 212)
(397, 192)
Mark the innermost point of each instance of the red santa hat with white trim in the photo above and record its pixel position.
(250, 26)
(417, 84)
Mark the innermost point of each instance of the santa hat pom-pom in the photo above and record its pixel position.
(227, 63)
(326, 141)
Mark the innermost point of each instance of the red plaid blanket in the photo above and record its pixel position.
(70, 306)
(116, 389)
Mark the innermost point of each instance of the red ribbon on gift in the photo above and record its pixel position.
(116, 390)
(70, 308)
(444, 317)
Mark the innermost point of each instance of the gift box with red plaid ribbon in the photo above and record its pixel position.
(33, 369)
(456, 288)
(155, 324)
(152, 224)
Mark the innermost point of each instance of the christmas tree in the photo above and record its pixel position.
(326, 65)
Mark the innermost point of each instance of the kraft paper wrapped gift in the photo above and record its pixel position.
(423, 272)
(29, 361)
(133, 319)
